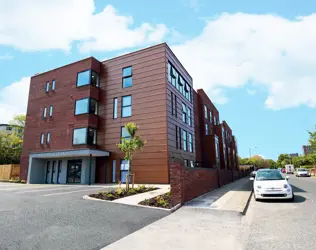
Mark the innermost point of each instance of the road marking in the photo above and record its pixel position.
(72, 192)
(31, 186)
(44, 190)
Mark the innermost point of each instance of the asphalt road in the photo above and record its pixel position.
(56, 217)
(284, 225)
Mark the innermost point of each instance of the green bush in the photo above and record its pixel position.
(132, 191)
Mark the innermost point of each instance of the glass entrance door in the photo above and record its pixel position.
(74, 171)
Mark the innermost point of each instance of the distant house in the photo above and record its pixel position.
(307, 150)
(7, 128)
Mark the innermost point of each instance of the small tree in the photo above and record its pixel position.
(129, 147)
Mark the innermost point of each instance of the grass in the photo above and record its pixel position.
(162, 201)
(121, 193)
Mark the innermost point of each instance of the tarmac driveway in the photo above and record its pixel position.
(56, 217)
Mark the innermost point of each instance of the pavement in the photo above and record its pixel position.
(56, 217)
(231, 197)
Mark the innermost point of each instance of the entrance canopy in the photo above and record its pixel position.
(70, 153)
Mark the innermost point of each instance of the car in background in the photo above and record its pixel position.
(283, 170)
(300, 172)
(289, 169)
(271, 184)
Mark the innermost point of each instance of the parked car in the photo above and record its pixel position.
(302, 172)
(283, 170)
(271, 184)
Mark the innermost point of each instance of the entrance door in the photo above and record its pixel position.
(47, 179)
(74, 171)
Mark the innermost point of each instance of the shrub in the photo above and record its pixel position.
(132, 191)
(23, 181)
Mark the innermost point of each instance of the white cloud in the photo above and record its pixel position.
(6, 57)
(13, 99)
(251, 91)
(44, 25)
(271, 51)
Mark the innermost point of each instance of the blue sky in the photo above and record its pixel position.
(255, 59)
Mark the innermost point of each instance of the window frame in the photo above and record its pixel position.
(206, 129)
(189, 117)
(127, 137)
(185, 140)
(86, 136)
(184, 112)
(126, 106)
(42, 138)
(50, 112)
(211, 116)
(129, 76)
(205, 112)
(53, 85)
(48, 137)
(90, 76)
(190, 142)
(47, 87)
(44, 114)
(115, 107)
(88, 106)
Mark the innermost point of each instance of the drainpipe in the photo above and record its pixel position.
(90, 166)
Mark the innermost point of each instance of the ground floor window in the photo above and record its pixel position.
(124, 170)
(74, 171)
(114, 171)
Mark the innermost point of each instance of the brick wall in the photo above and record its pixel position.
(189, 183)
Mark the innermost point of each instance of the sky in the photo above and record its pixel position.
(255, 59)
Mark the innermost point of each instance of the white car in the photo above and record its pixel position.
(302, 172)
(271, 184)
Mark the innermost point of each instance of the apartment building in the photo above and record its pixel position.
(76, 116)
(307, 150)
(8, 129)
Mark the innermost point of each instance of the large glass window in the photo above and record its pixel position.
(189, 116)
(127, 74)
(205, 112)
(184, 135)
(169, 72)
(124, 133)
(114, 108)
(88, 77)
(86, 105)
(124, 170)
(126, 106)
(184, 113)
(84, 136)
(190, 143)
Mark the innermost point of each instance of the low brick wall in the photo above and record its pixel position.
(189, 183)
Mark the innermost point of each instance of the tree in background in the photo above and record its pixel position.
(283, 160)
(271, 163)
(129, 147)
(312, 140)
(298, 161)
(11, 143)
(258, 161)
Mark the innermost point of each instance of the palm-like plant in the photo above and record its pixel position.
(130, 146)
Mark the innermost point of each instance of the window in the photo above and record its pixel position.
(205, 112)
(88, 77)
(176, 106)
(85, 106)
(48, 138)
(114, 171)
(174, 75)
(53, 85)
(217, 152)
(177, 142)
(185, 163)
(42, 138)
(192, 164)
(190, 143)
(206, 129)
(51, 111)
(180, 138)
(184, 135)
(8, 128)
(211, 117)
(84, 136)
(187, 91)
(172, 104)
(180, 83)
(127, 77)
(184, 113)
(169, 72)
(125, 134)
(126, 106)
(215, 120)
(114, 108)
(44, 112)
(189, 117)
(124, 170)
(47, 87)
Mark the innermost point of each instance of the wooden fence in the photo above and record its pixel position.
(9, 171)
